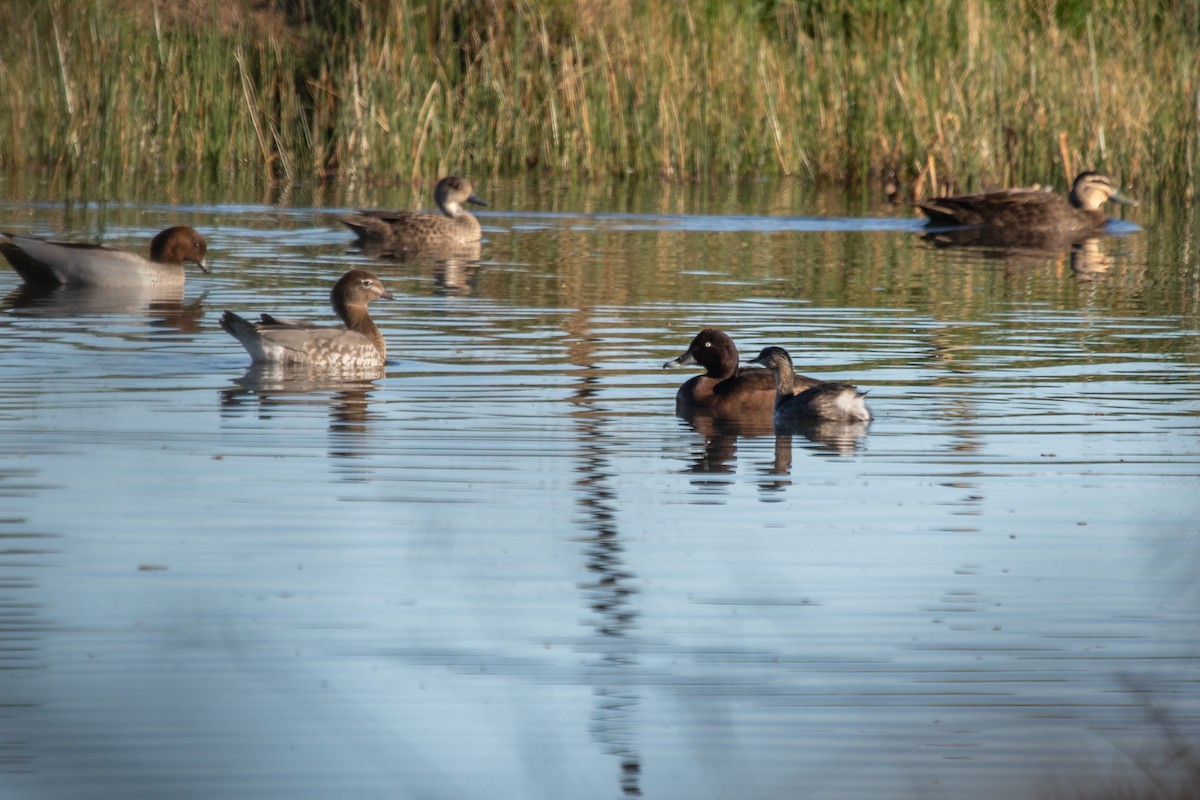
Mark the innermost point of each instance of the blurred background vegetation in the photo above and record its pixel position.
(910, 97)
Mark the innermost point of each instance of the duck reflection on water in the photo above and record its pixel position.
(162, 304)
(271, 390)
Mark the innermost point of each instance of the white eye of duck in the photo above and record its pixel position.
(708, 344)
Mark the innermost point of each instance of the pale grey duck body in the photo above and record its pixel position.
(1035, 211)
(359, 345)
(405, 230)
(46, 263)
(831, 401)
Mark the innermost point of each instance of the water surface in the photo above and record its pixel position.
(506, 569)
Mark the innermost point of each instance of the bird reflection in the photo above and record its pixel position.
(610, 594)
(164, 305)
(1089, 262)
(271, 388)
(722, 434)
(455, 268)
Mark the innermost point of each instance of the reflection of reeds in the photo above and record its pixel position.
(1168, 769)
(952, 93)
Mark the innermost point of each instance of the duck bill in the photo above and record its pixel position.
(1117, 197)
(476, 201)
(685, 360)
(203, 265)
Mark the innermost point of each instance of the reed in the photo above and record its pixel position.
(916, 96)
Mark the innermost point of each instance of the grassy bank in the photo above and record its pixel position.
(912, 95)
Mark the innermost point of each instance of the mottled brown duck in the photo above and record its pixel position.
(358, 345)
(414, 230)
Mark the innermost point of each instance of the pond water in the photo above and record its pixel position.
(507, 569)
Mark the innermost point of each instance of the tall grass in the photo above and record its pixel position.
(916, 95)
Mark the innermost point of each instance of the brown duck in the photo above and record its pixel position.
(1035, 211)
(357, 346)
(408, 230)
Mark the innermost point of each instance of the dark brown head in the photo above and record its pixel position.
(177, 245)
(713, 350)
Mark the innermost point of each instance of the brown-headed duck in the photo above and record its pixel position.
(1032, 210)
(357, 346)
(725, 388)
(401, 230)
(45, 263)
(835, 402)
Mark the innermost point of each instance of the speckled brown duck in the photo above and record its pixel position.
(409, 230)
(1034, 211)
(41, 262)
(357, 346)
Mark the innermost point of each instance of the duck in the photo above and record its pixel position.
(46, 263)
(358, 345)
(406, 230)
(827, 401)
(725, 388)
(1031, 210)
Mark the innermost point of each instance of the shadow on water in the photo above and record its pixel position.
(612, 590)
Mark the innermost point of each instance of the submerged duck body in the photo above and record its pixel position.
(725, 388)
(1036, 211)
(41, 262)
(831, 401)
(357, 346)
(407, 230)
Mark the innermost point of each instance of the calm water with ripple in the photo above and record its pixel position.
(506, 569)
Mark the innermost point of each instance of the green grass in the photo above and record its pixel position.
(906, 96)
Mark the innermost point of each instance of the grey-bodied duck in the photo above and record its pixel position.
(1034, 210)
(831, 401)
(41, 262)
(406, 230)
(358, 345)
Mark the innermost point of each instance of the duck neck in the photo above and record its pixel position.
(785, 380)
(357, 318)
(723, 370)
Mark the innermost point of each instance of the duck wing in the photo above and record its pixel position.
(42, 262)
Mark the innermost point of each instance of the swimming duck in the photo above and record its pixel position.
(45, 263)
(400, 230)
(1033, 210)
(725, 388)
(358, 345)
(835, 402)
